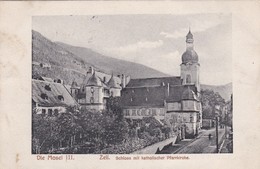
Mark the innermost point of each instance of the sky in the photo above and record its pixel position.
(156, 41)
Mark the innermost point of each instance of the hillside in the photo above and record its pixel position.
(69, 62)
(109, 64)
(224, 90)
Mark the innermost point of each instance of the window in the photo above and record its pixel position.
(127, 112)
(43, 111)
(91, 99)
(146, 99)
(47, 87)
(60, 97)
(191, 118)
(161, 112)
(56, 112)
(133, 112)
(50, 112)
(92, 90)
(188, 78)
(131, 99)
(154, 112)
(44, 96)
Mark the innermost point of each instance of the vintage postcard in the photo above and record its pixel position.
(129, 84)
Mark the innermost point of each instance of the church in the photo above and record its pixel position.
(175, 100)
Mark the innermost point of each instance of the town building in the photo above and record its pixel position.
(50, 98)
(175, 100)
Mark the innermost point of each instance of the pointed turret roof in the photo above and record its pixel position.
(189, 35)
(112, 83)
(94, 80)
(74, 85)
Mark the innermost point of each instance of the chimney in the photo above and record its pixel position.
(123, 81)
(104, 79)
(90, 70)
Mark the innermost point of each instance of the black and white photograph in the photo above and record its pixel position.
(132, 84)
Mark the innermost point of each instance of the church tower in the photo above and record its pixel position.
(190, 64)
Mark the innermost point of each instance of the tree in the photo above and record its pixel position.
(114, 106)
(209, 100)
(45, 133)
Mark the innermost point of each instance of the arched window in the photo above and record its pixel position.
(188, 78)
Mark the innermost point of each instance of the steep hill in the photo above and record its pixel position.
(69, 62)
(224, 90)
(109, 64)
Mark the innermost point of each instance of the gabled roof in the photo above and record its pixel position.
(151, 82)
(50, 94)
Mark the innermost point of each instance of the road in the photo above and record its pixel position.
(201, 144)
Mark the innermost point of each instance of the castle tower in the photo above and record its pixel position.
(74, 90)
(94, 93)
(190, 64)
(115, 88)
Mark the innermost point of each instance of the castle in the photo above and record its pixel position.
(95, 90)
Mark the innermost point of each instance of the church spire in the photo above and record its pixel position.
(189, 40)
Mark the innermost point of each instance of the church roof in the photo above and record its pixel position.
(153, 96)
(50, 94)
(150, 82)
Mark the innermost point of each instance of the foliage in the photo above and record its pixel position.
(114, 108)
(92, 132)
(209, 100)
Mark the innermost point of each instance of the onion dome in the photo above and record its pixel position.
(94, 81)
(190, 56)
(112, 83)
(188, 94)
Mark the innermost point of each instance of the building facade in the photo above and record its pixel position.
(175, 100)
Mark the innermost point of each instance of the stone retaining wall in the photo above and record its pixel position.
(152, 149)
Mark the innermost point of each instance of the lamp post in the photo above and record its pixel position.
(216, 119)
